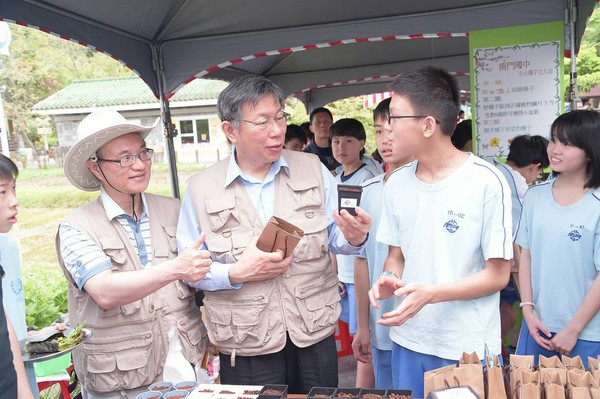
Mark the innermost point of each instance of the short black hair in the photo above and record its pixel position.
(295, 132)
(320, 110)
(348, 127)
(431, 91)
(305, 126)
(462, 134)
(8, 169)
(581, 128)
(525, 150)
(382, 110)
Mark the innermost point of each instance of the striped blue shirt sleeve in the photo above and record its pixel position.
(82, 257)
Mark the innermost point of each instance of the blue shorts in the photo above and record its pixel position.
(382, 368)
(528, 346)
(408, 368)
(348, 303)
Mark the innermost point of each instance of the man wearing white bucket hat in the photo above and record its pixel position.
(119, 255)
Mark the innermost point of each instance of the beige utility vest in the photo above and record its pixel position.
(304, 301)
(129, 344)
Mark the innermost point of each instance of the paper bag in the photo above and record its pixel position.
(584, 393)
(552, 370)
(428, 378)
(582, 385)
(552, 362)
(594, 367)
(532, 390)
(554, 391)
(495, 381)
(521, 361)
(526, 384)
(470, 373)
(573, 363)
(517, 365)
(593, 363)
(279, 234)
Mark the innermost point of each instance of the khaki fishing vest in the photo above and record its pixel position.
(129, 344)
(304, 301)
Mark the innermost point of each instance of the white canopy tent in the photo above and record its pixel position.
(318, 50)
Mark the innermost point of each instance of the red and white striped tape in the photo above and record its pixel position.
(376, 98)
(316, 46)
(381, 96)
(345, 82)
(262, 54)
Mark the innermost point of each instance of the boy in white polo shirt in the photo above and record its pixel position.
(446, 219)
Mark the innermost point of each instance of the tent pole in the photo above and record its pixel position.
(170, 133)
(165, 115)
(571, 14)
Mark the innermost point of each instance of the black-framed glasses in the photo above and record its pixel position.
(264, 124)
(390, 117)
(128, 160)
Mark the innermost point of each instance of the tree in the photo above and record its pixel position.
(588, 60)
(352, 107)
(38, 66)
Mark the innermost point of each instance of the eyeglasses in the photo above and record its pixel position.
(264, 124)
(390, 117)
(129, 160)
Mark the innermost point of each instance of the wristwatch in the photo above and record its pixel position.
(387, 273)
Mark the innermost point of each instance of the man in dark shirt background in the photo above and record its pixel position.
(321, 120)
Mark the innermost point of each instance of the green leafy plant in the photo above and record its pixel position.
(45, 295)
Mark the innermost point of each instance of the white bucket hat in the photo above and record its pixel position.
(94, 131)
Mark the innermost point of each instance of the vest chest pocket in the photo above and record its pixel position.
(318, 303)
(226, 246)
(163, 249)
(243, 319)
(314, 244)
(306, 193)
(221, 212)
(115, 250)
(121, 363)
(183, 290)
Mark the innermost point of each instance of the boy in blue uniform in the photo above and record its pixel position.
(372, 344)
(13, 378)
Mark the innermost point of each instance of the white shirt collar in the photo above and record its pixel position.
(113, 209)
(234, 171)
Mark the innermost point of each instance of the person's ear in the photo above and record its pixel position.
(535, 167)
(429, 125)
(94, 168)
(230, 131)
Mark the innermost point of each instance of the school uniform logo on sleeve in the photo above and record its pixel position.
(17, 286)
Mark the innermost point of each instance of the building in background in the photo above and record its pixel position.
(193, 111)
